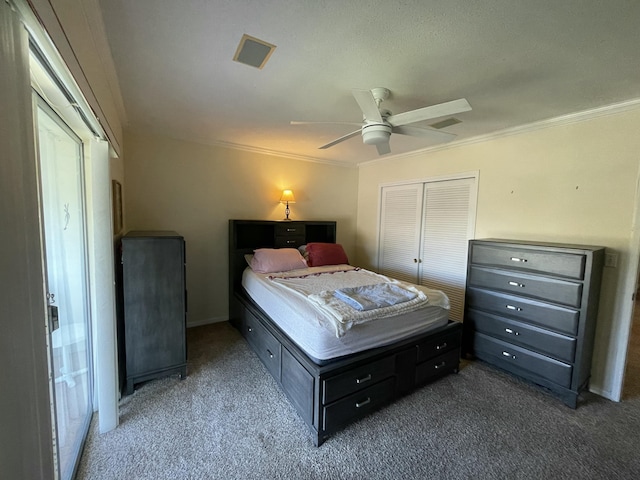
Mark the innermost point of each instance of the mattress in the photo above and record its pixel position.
(310, 329)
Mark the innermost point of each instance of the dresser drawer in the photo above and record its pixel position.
(542, 341)
(533, 286)
(440, 365)
(356, 379)
(554, 317)
(265, 345)
(358, 404)
(508, 356)
(434, 348)
(564, 264)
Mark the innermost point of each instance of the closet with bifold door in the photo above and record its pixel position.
(424, 232)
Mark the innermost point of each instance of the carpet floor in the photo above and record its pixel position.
(229, 420)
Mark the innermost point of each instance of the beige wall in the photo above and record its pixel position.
(195, 189)
(573, 183)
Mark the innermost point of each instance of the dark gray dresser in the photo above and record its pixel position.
(154, 306)
(531, 309)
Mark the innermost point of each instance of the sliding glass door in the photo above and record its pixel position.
(65, 240)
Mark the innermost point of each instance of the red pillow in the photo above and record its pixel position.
(325, 254)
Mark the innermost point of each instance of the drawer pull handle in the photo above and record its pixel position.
(440, 347)
(291, 229)
(440, 365)
(270, 354)
(363, 379)
(507, 354)
(363, 403)
(511, 307)
(291, 241)
(516, 284)
(508, 330)
(249, 329)
(516, 259)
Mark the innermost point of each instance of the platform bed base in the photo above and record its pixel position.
(334, 394)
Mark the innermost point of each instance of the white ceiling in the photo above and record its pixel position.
(515, 61)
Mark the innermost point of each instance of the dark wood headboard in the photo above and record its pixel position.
(247, 235)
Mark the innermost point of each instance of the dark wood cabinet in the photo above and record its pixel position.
(531, 309)
(154, 306)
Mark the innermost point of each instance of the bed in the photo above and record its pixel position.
(333, 371)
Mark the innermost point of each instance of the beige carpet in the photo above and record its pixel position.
(229, 420)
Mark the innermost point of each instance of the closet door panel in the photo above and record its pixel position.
(447, 226)
(400, 228)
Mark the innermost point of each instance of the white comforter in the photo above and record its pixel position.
(318, 284)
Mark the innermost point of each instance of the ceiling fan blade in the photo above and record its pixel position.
(326, 123)
(383, 148)
(424, 132)
(341, 139)
(368, 105)
(426, 113)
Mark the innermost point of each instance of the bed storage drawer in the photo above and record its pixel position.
(358, 404)
(435, 347)
(357, 379)
(265, 345)
(509, 356)
(544, 341)
(440, 365)
(563, 264)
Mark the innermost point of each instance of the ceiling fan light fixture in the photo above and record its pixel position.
(376, 134)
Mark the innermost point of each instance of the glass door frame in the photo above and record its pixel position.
(40, 103)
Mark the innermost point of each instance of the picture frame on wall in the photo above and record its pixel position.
(117, 206)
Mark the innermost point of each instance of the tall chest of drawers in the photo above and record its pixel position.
(531, 310)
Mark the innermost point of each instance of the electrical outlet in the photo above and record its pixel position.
(611, 260)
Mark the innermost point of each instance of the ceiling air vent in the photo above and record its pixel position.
(253, 52)
(445, 123)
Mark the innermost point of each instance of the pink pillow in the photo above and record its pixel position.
(269, 260)
(326, 254)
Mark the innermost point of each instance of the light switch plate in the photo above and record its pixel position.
(611, 260)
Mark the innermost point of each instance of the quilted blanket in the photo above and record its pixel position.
(320, 289)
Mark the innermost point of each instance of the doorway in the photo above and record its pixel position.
(62, 185)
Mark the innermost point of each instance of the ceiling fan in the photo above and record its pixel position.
(378, 124)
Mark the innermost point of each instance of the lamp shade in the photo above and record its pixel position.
(287, 197)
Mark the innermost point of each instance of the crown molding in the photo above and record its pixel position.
(276, 153)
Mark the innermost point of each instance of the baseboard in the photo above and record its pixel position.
(206, 321)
